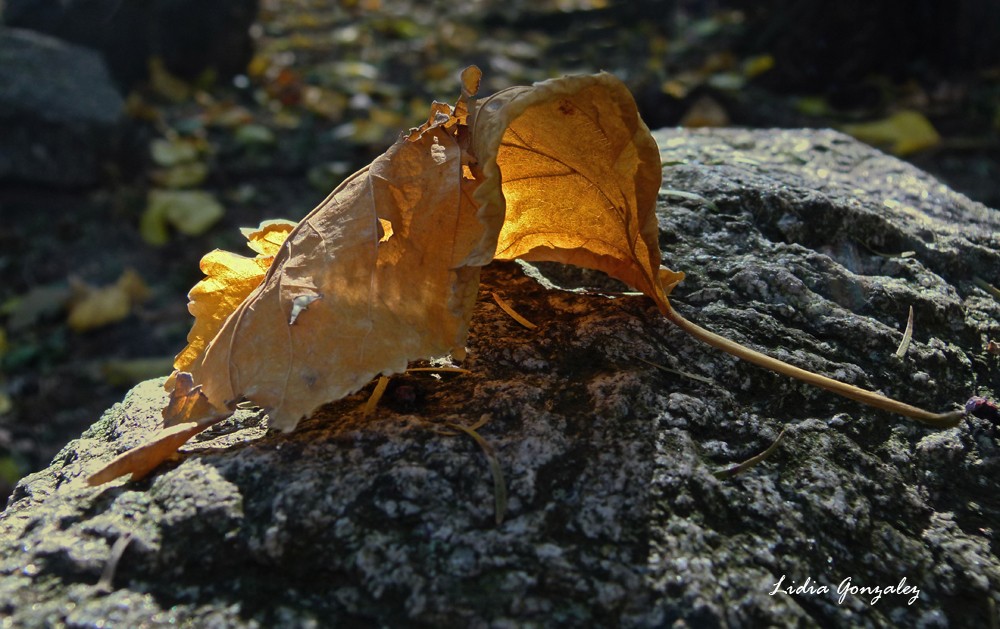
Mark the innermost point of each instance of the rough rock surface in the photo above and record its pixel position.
(615, 517)
(59, 110)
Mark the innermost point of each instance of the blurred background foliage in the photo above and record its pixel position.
(217, 114)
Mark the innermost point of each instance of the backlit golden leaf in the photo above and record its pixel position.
(229, 278)
(386, 269)
(573, 173)
(267, 238)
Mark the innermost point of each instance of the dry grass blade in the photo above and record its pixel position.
(506, 307)
(739, 468)
(376, 395)
(499, 486)
(986, 286)
(678, 372)
(689, 196)
(437, 370)
(883, 254)
(907, 335)
(444, 432)
(105, 584)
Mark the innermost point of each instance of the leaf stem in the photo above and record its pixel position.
(937, 420)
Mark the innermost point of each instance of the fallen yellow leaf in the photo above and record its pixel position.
(96, 306)
(229, 279)
(903, 132)
(171, 152)
(386, 269)
(191, 212)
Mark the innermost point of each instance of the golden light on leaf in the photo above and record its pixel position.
(268, 237)
(574, 174)
(385, 228)
(229, 279)
(342, 303)
(386, 269)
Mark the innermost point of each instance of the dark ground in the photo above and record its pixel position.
(333, 83)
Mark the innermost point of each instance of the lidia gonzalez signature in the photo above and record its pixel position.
(873, 593)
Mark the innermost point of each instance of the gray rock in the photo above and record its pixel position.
(59, 110)
(615, 517)
(188, 36)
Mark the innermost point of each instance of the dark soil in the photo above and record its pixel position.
(333, 83)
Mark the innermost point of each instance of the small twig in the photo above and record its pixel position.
(883, 254)
(739, 468)
(986, 286)
(690, 196)
(451, 433)
(506, 307)
(678, 372)
(376, 395)
(499, 486)
(105, 585)
(907, 335)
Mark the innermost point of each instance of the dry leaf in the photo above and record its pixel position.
(191, 212)
(580, 179)
(386, 269)
(903, 133)
(143, 459)
(254, 135)
(173, 151)
(96, 306)
(572, 173)
(229, 278)
(186, 175)
(38, 303)
(705, 112)
(341, 303)
(187, 401)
